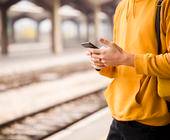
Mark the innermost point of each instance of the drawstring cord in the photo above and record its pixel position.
(133, 3)
(127, 12)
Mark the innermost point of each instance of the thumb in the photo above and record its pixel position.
(106, 42)
(169, 47)
(117, 47)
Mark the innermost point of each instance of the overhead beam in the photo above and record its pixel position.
(43, 4)
(109, 8)
(9, 3)
(37, 38)
(82, 5)
(24, 15)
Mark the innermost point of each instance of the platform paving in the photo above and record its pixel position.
(21, 64)
(94, 127)
(17, 102)
(23, 69)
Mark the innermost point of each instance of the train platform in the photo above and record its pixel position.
(94, 127)
(61, 78)
(21, 63)
(20, 70)
(38, 96)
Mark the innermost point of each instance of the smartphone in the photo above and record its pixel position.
(89, 45)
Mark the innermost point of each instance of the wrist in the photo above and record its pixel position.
(129, 60)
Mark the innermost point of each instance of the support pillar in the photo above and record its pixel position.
(57, 46)
(87, 29)
(111, 26)
(111, 21)
(37, 39)
(78, 30)
(4, 32)
(96, 23)
(12, 33)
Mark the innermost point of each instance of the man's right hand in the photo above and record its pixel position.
(95, 63)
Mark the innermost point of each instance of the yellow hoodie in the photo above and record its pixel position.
(132, 95)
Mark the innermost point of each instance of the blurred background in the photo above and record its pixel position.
(48, 90)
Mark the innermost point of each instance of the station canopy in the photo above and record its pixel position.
(85, 6)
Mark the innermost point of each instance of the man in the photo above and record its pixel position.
(132, 60)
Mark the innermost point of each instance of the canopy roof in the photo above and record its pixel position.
(85, 6)
(38, 7)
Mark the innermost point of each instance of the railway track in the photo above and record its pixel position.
(14, 81)
(44, 123)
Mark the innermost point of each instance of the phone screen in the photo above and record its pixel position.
(89, 45)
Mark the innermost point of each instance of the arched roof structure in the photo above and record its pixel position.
(85, 6)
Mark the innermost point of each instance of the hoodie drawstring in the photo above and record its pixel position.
(131, 6)
(133, 2)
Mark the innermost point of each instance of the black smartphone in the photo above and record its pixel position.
(89, 45)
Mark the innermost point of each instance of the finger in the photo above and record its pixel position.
(95, 51)
(101, 66)
(96, 56)
(106, 42)
(95, 65)
(96, 61)
(117, 47)
(168, 46)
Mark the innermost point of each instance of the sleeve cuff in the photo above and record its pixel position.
(140, 64)
(108, 72)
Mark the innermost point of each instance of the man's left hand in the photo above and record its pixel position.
(112, 54)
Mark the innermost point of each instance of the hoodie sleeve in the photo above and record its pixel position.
(109, 72)
(157, 65)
